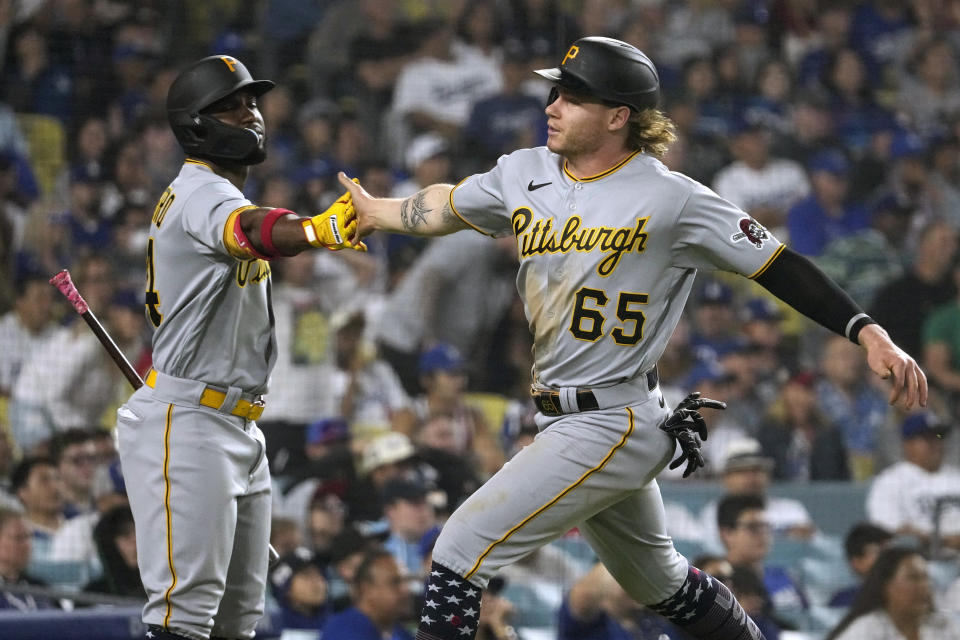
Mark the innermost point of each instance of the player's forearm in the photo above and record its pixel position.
(426, 213)
(286, 234)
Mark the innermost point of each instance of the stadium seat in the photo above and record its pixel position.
(61, 573)
(46, 140)
(821, 578)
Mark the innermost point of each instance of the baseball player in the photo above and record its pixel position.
(609, 242)
(192, 455)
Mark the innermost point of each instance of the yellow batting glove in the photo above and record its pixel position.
(334, 227)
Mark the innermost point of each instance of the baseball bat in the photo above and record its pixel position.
(64, 283)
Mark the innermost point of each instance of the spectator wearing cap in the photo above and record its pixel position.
(850, 401)
(509, 119)
(385, 458)
(381, 602)
(762, 185)
(445, 420)
(298, 585)
(770, 355)
(827, 213)
(746, 470)
(88, 230)
(427, 162)
(715, 330)
(803, 444)
(368, 392)
(941, 346)
(866, 260)
(903, 497)
(410, 516)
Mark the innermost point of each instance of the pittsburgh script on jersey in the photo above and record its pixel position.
(540, 237)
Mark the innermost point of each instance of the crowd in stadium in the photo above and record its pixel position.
(402, 379)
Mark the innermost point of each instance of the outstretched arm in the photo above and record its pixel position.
(426, 213)
(801, 284)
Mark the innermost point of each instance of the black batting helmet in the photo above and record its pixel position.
(197, 87)
(609, 69)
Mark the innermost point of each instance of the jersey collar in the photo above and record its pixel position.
(599, 175)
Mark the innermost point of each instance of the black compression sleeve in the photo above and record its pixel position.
(802, 285)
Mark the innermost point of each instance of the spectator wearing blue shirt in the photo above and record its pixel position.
(827, 213)
(717, 331)
(381, 601)
(410, 516)
(298, 584)
(747, 537)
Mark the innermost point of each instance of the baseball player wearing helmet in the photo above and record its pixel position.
(609, 242)
(192, 455)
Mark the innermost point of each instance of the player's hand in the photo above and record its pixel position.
(687, 427)
(362, 201)
(335, 228)
(888, 361)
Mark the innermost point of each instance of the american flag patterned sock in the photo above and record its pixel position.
(705, 608)
(451, 608)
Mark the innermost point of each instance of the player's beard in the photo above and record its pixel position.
(575, 142)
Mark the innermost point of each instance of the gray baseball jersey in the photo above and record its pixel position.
(193, 457)
(606, 265)
(210, 310)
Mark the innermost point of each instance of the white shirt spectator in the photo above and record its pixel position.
(779, 184)
(877, 625)
(16, 343)
(904, 494)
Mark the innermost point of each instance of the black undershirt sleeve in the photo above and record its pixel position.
(801, 284)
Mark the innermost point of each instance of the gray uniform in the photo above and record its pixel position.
(606, 265)
(196, 475)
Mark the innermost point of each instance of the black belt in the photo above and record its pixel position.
(548, 400)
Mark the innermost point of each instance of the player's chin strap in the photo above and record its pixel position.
(705, 609)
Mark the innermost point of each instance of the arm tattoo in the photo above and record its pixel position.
(413, 211)
(447, 215)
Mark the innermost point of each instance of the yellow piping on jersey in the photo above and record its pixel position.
(766, 265)
(454, 209)
(580, 480)
(166, 510)
(599, 175)
(199, 162)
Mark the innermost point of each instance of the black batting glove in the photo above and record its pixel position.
(687, 427)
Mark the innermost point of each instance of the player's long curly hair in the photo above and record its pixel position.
(651, 131)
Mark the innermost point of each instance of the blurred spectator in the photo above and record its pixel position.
(368, 392)
(930, 93)
(804, 445)
(326, 519)
(34, 83)
(285, 535)
(26, 328)
(509, 119)
(763, 186)
(75, 455)
(445, 420)
(346, 554)
(944, 182)
(381, 601)
(597, 608)
(747, 471)
(771, 106)
(903, 497)
(35, 482)
(831, 34)
(116, 541)
(864, 261)
(941, 346)
(436, 301)
(853, 105)
(496, 613)
(904, 304)
(770, 354)
(409, 516)
(15, 554)
(908, 172)
(853, 402)
(75, 540)
(896, 602)
(129, 182)
(746, 535)
(750, 591)
(862, 546)
(828, 213)
(427, 161)
(71, 381)
(715, 328)
(437, 89)
(8, 460)
(299, 587)
(88, 231)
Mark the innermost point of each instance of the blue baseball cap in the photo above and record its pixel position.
(443, 357)
(923, 423)
(761, 309)
(327, 430)
(706, 372)
(716, 292)
(833, 162)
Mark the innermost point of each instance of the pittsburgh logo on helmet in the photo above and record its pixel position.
(230, 62)
(571, 53)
